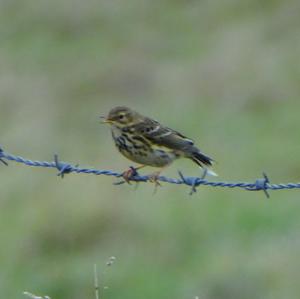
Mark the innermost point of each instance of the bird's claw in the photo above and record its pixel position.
(153, 178)
(128, 174)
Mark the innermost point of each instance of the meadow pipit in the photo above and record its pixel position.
(147, 142)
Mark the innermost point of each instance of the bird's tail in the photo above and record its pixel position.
(204, 162)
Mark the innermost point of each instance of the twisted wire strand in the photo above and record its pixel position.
(262, 184)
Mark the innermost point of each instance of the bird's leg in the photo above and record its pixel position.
(127, 174)
(153, 178)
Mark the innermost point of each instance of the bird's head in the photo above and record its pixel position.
(121, 116)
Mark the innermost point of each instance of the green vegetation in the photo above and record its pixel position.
(225, 73)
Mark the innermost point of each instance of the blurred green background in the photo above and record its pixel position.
(225, 73)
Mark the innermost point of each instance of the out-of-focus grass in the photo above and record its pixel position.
(225, 73)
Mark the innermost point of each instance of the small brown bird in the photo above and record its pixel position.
(147, 142)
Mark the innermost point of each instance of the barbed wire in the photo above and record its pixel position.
(261, 184)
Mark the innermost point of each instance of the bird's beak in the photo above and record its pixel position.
(105, 120)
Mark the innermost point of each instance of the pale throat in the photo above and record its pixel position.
(117, 132)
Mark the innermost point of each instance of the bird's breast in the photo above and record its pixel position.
(137, 148)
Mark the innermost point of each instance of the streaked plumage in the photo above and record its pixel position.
(147, 142)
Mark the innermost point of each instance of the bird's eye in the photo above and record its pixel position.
(121, 116)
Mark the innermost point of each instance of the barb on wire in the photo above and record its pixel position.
(62, 167)
(262, 184)
(1, 157)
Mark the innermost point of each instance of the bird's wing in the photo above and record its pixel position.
(163, 136)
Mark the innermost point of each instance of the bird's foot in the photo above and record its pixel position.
(153, 178)
(128, 174)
